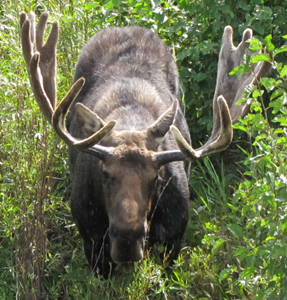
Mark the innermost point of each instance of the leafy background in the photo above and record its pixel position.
(235, 244)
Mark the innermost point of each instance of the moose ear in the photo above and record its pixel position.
(161, 126)
(89, 121)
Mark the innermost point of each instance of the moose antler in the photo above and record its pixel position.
(43, 75)
(41, 64)
(229, 89)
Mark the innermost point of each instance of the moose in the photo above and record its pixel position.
(129, 143)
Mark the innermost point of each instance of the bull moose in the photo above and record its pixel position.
(129, 143)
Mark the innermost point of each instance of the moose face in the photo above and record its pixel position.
(129, 175)
(128, 181)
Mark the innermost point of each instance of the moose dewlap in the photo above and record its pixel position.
(129, 143)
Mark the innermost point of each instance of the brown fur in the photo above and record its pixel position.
(132, 78)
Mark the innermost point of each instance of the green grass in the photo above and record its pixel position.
(235, 243)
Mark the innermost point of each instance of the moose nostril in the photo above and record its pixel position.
(127, 241)
(127, 251)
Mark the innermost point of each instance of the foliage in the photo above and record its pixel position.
(264, 190)
(234, 247)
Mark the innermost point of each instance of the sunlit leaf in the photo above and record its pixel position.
(260, 57)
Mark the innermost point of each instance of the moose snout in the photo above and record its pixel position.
(127, 244)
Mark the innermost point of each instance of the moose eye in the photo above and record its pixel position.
(154, 181)
(108, 179)
(106, 176)
(158, 181)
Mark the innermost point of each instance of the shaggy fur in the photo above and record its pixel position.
(131, 77)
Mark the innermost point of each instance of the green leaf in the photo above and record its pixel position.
(280, 50)
(260, 57)
(269, 45)
(282, 121)
(240, 70)
(277, 93)
(217, 244)
(240, 127)
(199, 77)
(256, 94)
(223, 274)
(241, 101)
(247, 271)
(235, 229)
(109, 5)
(89, 6)
(283, 72)
(255, 45)
(270, 238)
(269, 83)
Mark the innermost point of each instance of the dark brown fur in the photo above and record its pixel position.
(131, 77)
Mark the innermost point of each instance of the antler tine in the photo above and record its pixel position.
(41, 60)
(219, 143)
(27, 36)
(48, 63)
(59, 117)
(40, 30)
(38, 88)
